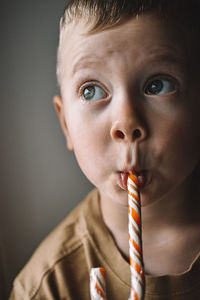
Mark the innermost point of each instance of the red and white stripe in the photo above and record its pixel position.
(135, 240)
(98, 284)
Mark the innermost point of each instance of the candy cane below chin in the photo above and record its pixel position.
(135, 240)
(98, 275)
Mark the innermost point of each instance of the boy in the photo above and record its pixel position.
(128, 74)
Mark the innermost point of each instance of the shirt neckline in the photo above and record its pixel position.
(113, 259)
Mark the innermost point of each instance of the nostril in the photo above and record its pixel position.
(120, 134)
(136, 133)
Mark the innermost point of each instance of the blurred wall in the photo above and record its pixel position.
(37, 173)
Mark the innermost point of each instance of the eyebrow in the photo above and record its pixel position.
(167, 58)
(171, 55)
(83, 62)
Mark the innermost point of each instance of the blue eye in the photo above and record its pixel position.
(160, 87)
(93, 92)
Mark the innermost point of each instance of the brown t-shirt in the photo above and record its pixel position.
(60, 267)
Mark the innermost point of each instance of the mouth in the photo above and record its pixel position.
(142, 178)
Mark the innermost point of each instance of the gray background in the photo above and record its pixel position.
(38, 175)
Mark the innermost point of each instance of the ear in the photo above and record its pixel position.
(58, 105)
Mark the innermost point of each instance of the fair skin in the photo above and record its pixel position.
(126, 106)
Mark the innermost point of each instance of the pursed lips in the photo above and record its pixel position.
(141, 178)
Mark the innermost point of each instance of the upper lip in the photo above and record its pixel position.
(132, 170)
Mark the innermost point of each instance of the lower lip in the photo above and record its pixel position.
(124, 177)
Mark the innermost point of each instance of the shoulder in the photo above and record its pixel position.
(61, 249)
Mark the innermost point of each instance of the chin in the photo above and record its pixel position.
(116, 195)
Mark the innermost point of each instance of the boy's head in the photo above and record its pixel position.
(128, 72)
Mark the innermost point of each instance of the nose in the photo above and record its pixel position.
(128, 125)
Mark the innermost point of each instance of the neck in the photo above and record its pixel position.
(116, 219)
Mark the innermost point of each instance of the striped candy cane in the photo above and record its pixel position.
(98, 284)
(135, 241)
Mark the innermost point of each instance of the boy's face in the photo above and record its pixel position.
(130, 103)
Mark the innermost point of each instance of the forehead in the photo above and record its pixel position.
(139, 39)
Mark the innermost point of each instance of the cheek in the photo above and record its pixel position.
(179, 145)
(88, 129)
(89, 148)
